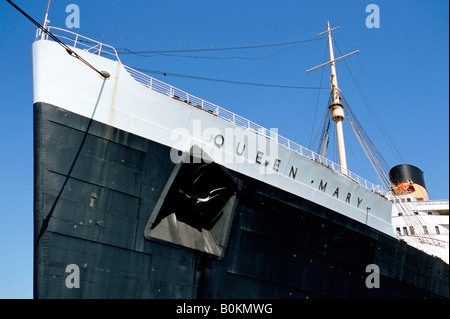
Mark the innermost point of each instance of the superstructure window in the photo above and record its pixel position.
(411, 230)
(398, 230)
(405, 231)
(425, 230)
(437, 230)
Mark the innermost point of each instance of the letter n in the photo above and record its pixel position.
(293, 172)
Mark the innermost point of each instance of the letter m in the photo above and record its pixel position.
(322, 187)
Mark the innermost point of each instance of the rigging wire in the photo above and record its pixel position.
(226, 81)
(68, 175)
(128, 51)
(406, 209)
(159, 52)
(324, 139)
(372, 111)
(104, 75)
(311, 143)
(381, 126)
(374, 156)
(65, 46)
(216, 58)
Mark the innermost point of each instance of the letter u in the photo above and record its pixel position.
(237, 149)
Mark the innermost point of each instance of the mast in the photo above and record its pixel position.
(336, 108)
(46, 21)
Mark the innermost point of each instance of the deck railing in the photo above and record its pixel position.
(173, 92)
(78, 41)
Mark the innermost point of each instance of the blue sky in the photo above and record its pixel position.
(401, 70)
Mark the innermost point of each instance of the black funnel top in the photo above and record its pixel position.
(406, 173)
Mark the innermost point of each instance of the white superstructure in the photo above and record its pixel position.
(422, 224)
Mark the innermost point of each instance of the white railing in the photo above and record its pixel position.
(95, 47)
(226, 115)
(80, 42)
(439, 202)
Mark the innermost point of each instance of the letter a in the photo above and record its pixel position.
(373, 280)
(73, 279)
(73, 19)
(373, 19)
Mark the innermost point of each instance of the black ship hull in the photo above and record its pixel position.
(135, 225)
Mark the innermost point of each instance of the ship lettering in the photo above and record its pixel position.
(276, 165)
(347, 200)
(292, 172)
(261, 159)
(237, 149)
(359, 202)
(336, 192)
(193, 309)
(259, 155)
(219, 140)
(322, 187)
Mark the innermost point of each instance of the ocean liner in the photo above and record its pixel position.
(142, 190)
